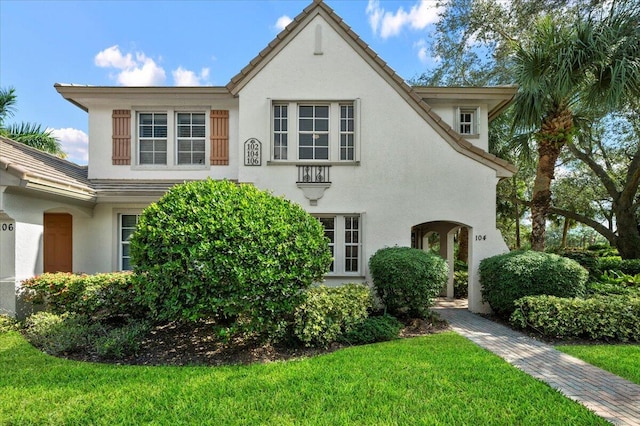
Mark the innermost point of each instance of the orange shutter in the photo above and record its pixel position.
(121, 119)
(219, 137)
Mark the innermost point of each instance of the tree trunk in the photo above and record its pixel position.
(463, 244)
(565, 233)
(547, 155)
(628, 240)
(517, 213)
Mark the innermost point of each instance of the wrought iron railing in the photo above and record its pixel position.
(313, 174)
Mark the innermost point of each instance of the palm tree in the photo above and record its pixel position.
(27, 133)
(590, 64)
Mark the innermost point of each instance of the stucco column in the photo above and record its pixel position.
(7, 260)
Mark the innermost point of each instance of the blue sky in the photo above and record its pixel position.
(167, 43)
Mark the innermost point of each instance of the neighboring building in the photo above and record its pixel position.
(317, 117)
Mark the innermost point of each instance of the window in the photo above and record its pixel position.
(347, 143)
(280, 142)
(152, 130)
(314, 131)
(126, 226)
(343, 232)
(468, 121)
(191, 137)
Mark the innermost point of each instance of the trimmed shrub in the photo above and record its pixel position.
(7, 324)
(122, 341)
(597, 318)
(328, 312)
(460, 284)
(214, 249)
(59, 334)
(508, 277)
(372, 330)
(99, 296)
(407, 280)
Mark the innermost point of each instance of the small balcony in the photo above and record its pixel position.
(313, 180)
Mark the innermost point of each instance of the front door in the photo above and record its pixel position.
(57, 242)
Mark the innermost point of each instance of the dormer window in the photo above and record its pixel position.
(467, 121)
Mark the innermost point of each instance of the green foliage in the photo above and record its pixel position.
(373, 329)
(214, 249)
(328, 312)
(59, 334)
(121, 341)
(508, 277)
(407, 280)
(7, 324)
(617, 264)
(99, 296)
(461, 284)
(597, 318)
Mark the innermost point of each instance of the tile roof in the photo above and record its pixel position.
(38, 169)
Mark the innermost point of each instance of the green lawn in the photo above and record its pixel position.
(623, 360)
(438, 380)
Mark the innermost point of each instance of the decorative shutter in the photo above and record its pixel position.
(219, 137)
(121, 119)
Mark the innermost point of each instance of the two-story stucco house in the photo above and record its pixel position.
(316, 117)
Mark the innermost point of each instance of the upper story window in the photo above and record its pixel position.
(314, 131)
(172, 138)
(152, 130)
(467, 121)
(191, 137)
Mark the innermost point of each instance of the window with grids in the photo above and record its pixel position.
(347, 133)
(313, 132)
(467, 121)
(152, 133)
(126, 227)
(280, 129)
(190, 132)
(343, 232)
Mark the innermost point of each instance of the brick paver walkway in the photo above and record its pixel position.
(609, 396)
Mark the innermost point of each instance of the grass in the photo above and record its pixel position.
(437, 380)
(623, 360)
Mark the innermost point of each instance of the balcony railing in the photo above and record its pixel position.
(313, 174)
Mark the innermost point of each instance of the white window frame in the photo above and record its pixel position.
(153, 138)
(172, 138)
(191, 139)
(340, 244)
(120, 243)
(474, 125)
(334, 133)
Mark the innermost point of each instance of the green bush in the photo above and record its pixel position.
(617, 264)
(597, 318)
(460, 284)
(122, 341)
(373, 329)
(7, 324)
(407, 280)
(508, 277)
(328, 312)
(234, 253)
(58, 334)
(99, 296)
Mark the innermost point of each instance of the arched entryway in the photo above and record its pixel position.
(443, 233)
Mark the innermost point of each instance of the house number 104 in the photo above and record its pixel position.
(481, 237)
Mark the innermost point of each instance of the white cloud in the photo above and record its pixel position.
(388, 24)
(74, 142)
(141, 71)
(423, 51)
(184, 77)
(282, 22)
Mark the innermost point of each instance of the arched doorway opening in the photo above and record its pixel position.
(451, 241)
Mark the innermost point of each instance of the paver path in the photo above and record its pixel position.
(609, 396)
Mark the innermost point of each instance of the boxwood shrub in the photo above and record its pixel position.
(373, 329)
(99, 296)
(328, 312)
(215, 249)
(598, 318)
(508, 277)
(407, 280)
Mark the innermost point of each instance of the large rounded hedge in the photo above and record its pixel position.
(407, 280)
(214, 249)
(508, 277)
